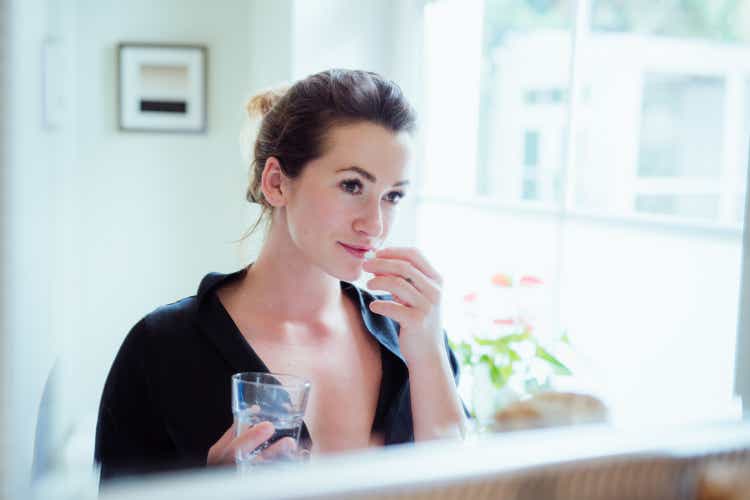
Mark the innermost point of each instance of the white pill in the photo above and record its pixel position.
(370, 254)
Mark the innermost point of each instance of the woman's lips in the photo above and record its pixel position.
(360, 254)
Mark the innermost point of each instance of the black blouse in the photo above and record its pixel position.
(167, 398)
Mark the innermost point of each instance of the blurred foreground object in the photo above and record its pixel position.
(724, 481)
(565, 463)
(550, 409)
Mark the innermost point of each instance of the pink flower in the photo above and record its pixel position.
(470, 297)
(503, 321)
(502, 280)
(531, 281)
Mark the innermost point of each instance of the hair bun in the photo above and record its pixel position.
(261, 104)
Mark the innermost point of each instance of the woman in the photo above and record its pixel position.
(331, 163)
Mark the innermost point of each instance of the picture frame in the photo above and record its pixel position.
(162, 87)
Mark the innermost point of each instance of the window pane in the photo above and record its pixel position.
(531, 148)
(663, 121)
(524, 94)
(660, 138)
(663, 126)
(726, 20)
(693, 99)
(699, 207)
(682, 124)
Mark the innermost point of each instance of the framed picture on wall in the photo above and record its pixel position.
(162, 88)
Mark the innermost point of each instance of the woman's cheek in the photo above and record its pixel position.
(389, 217)
(321, 205)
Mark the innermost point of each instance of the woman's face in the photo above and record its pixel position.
(345, 201)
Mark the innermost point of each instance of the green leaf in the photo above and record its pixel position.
(464, 351)
(486, 342)
(506, 371)
(502, 345)
(557, 366)
(513, 355)
(514, 337)
(496, 376)
(565, 339)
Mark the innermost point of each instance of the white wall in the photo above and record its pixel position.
(341, 33)
(271, 42)
(28, 197)
(100, 226)
(146, 215)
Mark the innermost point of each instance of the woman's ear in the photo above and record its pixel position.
(273, 183)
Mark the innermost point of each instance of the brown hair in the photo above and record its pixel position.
(296, 119)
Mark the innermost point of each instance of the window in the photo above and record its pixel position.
(525, 68)
(530, 165)
(603, 147)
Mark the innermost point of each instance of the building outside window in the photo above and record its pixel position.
(602, 146)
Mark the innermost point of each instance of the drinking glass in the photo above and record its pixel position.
(268, 397)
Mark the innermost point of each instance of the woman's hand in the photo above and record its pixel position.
(228, 447)
(417, 294)
(416, 288)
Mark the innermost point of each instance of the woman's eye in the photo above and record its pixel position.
(394, 196)
(351, 186)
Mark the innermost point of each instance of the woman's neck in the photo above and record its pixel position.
(288, 286)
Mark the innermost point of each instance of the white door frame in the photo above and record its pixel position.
(742, 351)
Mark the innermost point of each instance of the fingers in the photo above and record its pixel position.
(285, 448)
(401, 290)
(249, 440)
(216, 452)
(228, 447)
(408, 273)
(400, 313)
(225, 439)
(413, 256)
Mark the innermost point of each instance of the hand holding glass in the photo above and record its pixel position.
(267, 397)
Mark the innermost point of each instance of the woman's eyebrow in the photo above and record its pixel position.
(367, 175)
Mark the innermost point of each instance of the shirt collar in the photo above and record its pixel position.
(382, 329)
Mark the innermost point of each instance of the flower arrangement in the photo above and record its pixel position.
(503, 347)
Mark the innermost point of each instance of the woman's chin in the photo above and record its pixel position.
(349, 274)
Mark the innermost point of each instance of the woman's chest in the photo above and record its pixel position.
(345, 374)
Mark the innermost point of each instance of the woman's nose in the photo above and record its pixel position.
(370, 221)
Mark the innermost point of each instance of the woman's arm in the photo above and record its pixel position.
(417, 294)
(130, 436)
(436, 408)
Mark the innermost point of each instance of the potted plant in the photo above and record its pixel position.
(501, 351)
